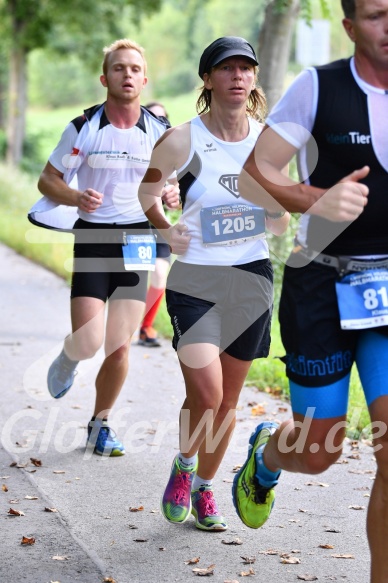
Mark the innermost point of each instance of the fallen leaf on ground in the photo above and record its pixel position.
(31, 497)
(4, 488)
(332, 530)
(15, 512)
(355, 507)
(288, 560)
(307, 577)
(140, 540)
(23, 444)
(269, 552)
(258, 410)
(47, 509)
(28, 540)
(321, 484)
(237, 468)
(233, 541)
(247, 573)
(36, 462)
(326, 546)
(192, 561)
(343, 556)
(109, 580)
(136, 508)
(249, 560)
(204, 572)
(59, 558)
(59, 472)
(133, 526)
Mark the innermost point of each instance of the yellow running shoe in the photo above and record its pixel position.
(254, 501)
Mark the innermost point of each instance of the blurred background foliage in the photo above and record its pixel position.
(63, 58)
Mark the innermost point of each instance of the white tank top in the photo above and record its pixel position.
(225, 228)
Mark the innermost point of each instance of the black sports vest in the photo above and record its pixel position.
(342, 133)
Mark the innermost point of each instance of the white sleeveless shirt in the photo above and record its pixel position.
(225, 228)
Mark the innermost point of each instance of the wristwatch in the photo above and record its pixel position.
(277, 215)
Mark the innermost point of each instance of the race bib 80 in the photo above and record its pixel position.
(139, 252)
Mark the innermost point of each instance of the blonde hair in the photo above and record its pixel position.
(256, 106)
(122, 43)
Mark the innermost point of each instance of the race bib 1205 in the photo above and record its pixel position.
(231, 224)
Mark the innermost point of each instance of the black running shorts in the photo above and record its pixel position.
(99, 266)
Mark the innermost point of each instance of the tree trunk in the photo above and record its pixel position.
(17, 100)
(274, 48)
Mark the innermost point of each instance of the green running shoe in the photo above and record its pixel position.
(205, 510)
(176, 501)
(254, 501)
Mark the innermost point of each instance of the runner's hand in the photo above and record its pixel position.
(170, 196)
(346, 200)
(178, 238)
(90, 200)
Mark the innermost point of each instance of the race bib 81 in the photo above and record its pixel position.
(363, 299)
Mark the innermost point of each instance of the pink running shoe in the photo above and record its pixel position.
(176, 501)
(205, 510)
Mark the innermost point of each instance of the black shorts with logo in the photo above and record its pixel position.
(318, 351)
(99, 265)
(228, 306)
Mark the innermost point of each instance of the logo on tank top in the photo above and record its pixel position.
(230, 183)
(210, 148)
(349, 138)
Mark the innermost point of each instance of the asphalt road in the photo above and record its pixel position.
(98, 519)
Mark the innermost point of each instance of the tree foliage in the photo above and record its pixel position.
(69, 38)
(31, 24)
(306, 8)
